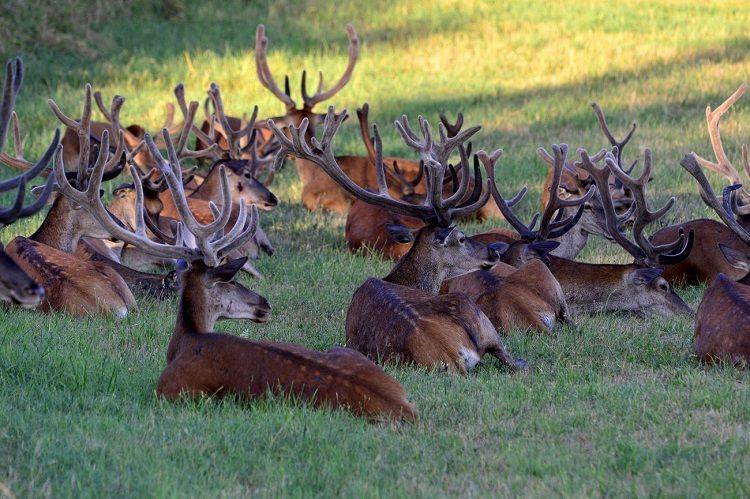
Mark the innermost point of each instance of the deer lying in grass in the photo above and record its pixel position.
(72, 284)
(634, 288)
(415, 324)
(705, 261)
(16, 286)
(722, 324)
(528, 297)
(203, 363)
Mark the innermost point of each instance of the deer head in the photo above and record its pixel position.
(649, 292)
(440, 250)
(295, 115)
(235, 150)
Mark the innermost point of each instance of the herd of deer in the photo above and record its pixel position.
(449, 296)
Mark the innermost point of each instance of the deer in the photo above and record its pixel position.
(705, 261)
(417, 325)
(636, 288)
(201, 362)
(722, 324)
(72, 284)
(528, 297)
(318, 190)
(16, 286)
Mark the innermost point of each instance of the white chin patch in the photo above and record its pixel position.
(470, 357)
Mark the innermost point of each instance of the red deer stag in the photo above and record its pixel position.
(722, 325)
(705, 262)
(203, 363)
(416, 324)
(73, 284)
(16, 286)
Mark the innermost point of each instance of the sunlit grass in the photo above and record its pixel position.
(618, 407)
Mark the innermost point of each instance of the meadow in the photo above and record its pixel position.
(618, 407)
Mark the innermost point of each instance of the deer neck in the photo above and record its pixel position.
(418, 268)
(59, 229)
(209, 188)
(195, 315)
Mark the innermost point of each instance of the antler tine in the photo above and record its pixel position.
(320, 95)
(11, 86)
(18, 160)
(601, 176)
(489, 161)
(232, 136)
(188, 126)
(452, 128)
(619, 144)
(82, 129)
(554, 203)
(321, 153)
(692, 166)
(264, 72)
(722, 165)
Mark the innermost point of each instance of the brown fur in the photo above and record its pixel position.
(705, 261)
(72, 285)
(528, 298)
(722, 325)
(366, 228)
(414, 326)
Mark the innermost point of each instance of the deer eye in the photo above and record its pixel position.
(247, 175)
(461, 240)
(663, 286)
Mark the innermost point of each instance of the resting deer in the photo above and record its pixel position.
(318, 190)
(705, 261)
(634, 288)
(16, 286)
(415, 324)
(203, 363)
(72, 284)
(529, 297)
(722, 324)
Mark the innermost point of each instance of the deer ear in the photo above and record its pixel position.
(400, 234)
(227, 271)
(642, 277)
(735, 257)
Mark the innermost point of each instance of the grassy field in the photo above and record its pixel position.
(618, 408)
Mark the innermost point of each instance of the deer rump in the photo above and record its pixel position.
(219, 364)
(389, 322)
(68, 280)
(713, 340)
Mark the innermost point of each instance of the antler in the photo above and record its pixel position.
(452, 128)
(644, 252)
(435, 210)
(188, 126)
(264, 72)
(489, 161)
(82, 128)
(232, 136)
(11, 86)
(692, 165)
(617, 145)
(320, 94)
(722, 165)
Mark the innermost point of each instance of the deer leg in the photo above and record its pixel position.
(502, 354)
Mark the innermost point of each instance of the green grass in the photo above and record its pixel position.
(618, 408)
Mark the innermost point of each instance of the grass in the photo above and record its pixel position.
(619, 408)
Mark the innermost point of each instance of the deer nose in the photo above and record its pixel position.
(272, 200)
